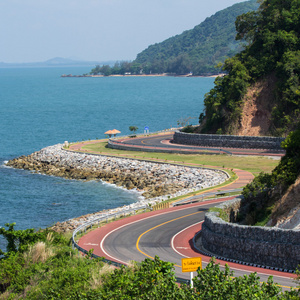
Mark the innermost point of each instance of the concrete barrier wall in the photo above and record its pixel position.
(267, 246)
(230, 141)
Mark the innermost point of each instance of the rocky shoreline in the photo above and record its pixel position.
(155, 181)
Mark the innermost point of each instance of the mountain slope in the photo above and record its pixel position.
(199, 49)
(271, 60)
(273, 199)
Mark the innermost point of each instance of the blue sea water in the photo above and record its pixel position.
(39, 108)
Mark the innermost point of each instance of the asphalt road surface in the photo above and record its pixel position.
(167, 234)
(161, 142)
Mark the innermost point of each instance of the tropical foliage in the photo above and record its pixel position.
(197, 50)
(48, 268)
(273, 36)
(266, 189)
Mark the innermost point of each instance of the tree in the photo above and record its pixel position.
(273, 36)
(133, 128)
(106, 70)
(184, 121)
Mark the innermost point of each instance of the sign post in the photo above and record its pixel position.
(146, 130)
(191, 265)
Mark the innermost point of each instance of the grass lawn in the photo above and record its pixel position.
(253, 164)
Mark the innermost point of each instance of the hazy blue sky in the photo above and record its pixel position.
(37, 30)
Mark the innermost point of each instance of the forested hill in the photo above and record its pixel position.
(261, 93)
(197, 50)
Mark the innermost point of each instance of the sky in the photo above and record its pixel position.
(94, 30)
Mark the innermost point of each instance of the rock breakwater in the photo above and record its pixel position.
(151, 179)
(155, 181)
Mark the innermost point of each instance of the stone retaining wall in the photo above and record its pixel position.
(230, 141)
(268, 246)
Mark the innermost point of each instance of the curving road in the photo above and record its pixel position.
(163, 142)
(167, 234)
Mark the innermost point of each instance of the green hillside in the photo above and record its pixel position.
(271, 197)
(197, 50)
(272, 59)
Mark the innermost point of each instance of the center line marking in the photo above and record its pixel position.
(139, 238)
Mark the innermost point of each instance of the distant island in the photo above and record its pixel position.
(138, 75)
(55, 62)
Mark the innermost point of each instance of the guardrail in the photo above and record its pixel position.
(102, 218)
(105, 217)
(199, 198)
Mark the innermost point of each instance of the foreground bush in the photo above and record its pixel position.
(48, 268)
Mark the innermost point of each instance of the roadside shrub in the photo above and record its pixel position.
(49, 271)
(188, 129)
(261, 194)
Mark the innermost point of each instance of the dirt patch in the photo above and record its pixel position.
(286, 213)
(258, 104)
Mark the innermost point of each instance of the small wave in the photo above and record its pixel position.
(133, 191)
(3, 164)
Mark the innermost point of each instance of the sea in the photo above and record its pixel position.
(39, 108)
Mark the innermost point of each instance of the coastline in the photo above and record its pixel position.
(154, 181)
(142, 75)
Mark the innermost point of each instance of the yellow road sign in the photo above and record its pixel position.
(191, 264)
